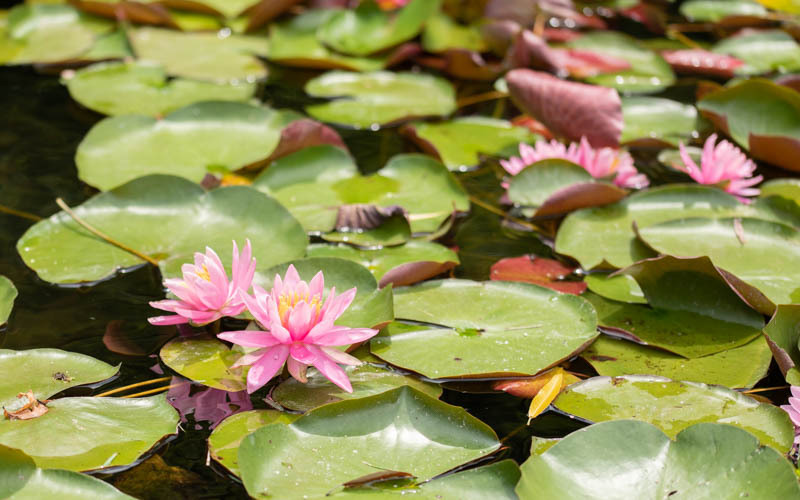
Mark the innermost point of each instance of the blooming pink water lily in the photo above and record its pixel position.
(205, 294)
(600, 163)
(723, 164)
(299, 331)
(793, 409)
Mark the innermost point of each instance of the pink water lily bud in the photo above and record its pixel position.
(723, 164)
(298, 330)
(205, 294)
(599, 162)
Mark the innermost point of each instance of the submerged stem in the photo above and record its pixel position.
(154, 391)
(475, 99)
(503, 214)
(132, 386)
(19, 213)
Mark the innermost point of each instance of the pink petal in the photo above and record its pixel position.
(298, 321)
(256, 308)
(302, 353)
(249, 358)
(167, 320)
(317, 285)
(340, 356)
(264, 369)
(344, 336)
(250, 338)
(335, 306)
(291, 279)
(333, 372)
(795, 391)
(297, 369)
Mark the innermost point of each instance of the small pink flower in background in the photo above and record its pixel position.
(205, 294)
(391, 4)
(793, 409)
(723, 163)
(299, 331)
(602, 162)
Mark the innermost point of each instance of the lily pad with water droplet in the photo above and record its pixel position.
(762, 52)
(656, 118)
(206, 361)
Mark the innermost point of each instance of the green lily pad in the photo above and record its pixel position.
(91, 433)
(783, 337)
(740, 367)
(47, 372)
(604, 236)
(489, 329)
(618, 287)
(442, 33)
(20, 479)
(202, 56)
(354, 438)
(379, 98)
(119, 88)
(673, 406)
(371, 307)
(191, 142)
(206, 361)
(315, 182)
(460, 142)
(788, 188)
(717, 10)
(763, 254)
(224, 441)
(187, 217)
(8, 292)
(113, 45)
(762, 52)
(648, 71)
(400, 265)
(657, 118)
(369, 29)
(225, 8)
(632, 459)
(393, 231)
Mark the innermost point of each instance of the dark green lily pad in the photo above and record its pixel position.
(315, 182)
(187, 217)
(206, 361)
(191, 142)
(460, 142)
(343, 441)
(717, 10)
(763, 254)
(783, 337)
(202, 56)
(365, 100)
(224, 441)
(673, 406)
(657, 118)
(762, 52)
(442, 33)
(400, 265)
(372, 307)
(788, 188)
(740, 367)
(20, 479)
(8, 292)
(618, 287)
(92, 433)
(119, 88)
(489, 329)
(369, 29)
(47, 372)
(632, 459)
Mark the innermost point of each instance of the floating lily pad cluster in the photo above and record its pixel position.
(527, 202)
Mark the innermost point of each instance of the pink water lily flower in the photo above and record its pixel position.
(723, 164)
(793, 409)
(600, 163)
(299, 331)
(205, 294)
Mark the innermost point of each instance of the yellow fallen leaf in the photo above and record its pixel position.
(231, 179)
(790, 6)
(547, 394)
(527, 388)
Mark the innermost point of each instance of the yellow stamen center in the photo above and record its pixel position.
(203, 273)
(287, 302)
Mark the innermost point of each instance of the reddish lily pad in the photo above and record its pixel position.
(548, 273)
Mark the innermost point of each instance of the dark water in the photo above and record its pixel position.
(40, 128)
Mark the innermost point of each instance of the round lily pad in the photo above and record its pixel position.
(47, 372)
(657, 118)
(118, 88)
(344, 441)
(673, 406)
(91, 433)
(716, 10)
(460, 142)
(631, 459)
(191, 142)
(8, 292)
(167, 218)
(740, 367)
(224, 441)
(206, 361)
(489, 329)
(762, 52)
(365, 100)
(315, 182)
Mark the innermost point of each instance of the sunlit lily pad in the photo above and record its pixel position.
(460, 142)
(47, 372)
(619, 287)
(783, 337)
(369, 29)
(8, 292)
(20, 479)
(490, 329)
(371, 307)
(740, 367)
(315, 182)
(343, 441)
(223, 443)
(673, 406)
(203, 56)
(788, 188)
(91, 433)
(379, 98)
(717, 10)
(631, 459)
(762, 52)
(187, 217)
(657, 118)
(401, 265)
(442, 33)
(206, 361)
(120, 88)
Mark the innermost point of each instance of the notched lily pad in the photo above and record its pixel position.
(206, 361)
